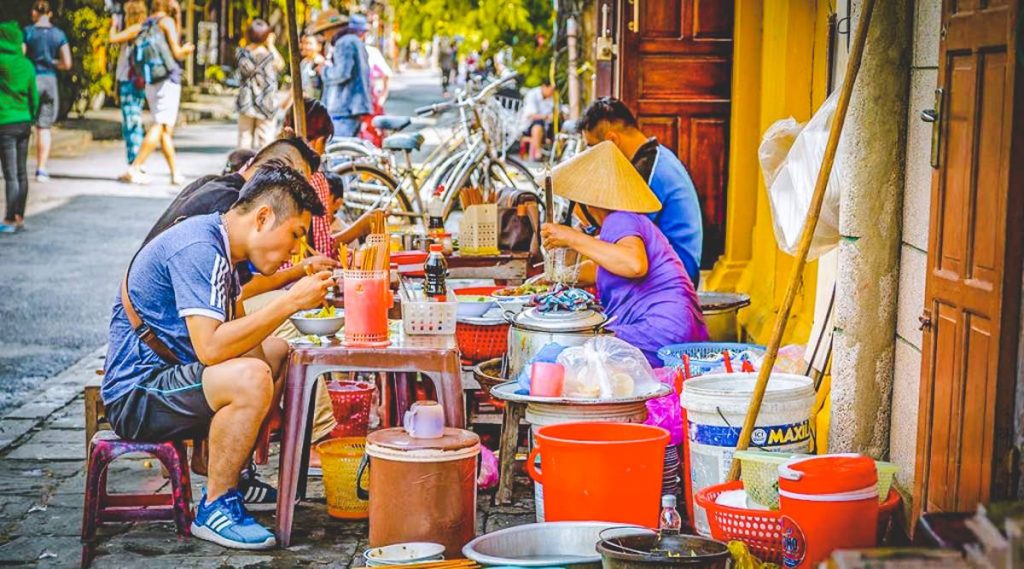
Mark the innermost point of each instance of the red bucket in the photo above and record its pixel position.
(351, 402)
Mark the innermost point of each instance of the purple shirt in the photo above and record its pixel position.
(658, 309)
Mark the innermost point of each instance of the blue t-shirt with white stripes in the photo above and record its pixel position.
(185, 271)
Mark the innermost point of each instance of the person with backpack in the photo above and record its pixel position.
(131, 88)
(259, 65)
(47, 46)
(155, 57)
(19, 105)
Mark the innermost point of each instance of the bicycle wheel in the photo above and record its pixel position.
(368, 187)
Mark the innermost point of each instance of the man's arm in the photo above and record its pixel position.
(178, 50)
(217, 342)
(340, 68)
(261, 284)
(64, 63)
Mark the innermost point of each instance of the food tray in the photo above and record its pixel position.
(507, 392)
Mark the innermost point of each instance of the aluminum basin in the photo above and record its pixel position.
(562, 544)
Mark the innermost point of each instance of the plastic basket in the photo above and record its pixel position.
(762, 530)
(340, 459)
(760, 475)
(424, 317)
(481, 342)
(707, 357)
(478, 230)
(351, 402)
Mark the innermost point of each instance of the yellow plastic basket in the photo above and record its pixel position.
(760, 475)
(340, 459)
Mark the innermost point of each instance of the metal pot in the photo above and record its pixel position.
(648, 550)
(720, 310)
(532, 329)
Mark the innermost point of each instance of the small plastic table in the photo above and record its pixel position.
(437, 357)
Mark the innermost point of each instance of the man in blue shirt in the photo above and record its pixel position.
(47, 47)
(211, 371)
(680, 217)
(346, 77)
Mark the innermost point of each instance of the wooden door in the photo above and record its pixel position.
(972, 291)
(675, 73)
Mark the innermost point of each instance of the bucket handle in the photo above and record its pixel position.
(531, 466)
(786, 471)
(362, 493)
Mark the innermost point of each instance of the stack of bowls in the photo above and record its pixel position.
(403, 554)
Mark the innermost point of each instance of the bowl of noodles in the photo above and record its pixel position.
(319, 321)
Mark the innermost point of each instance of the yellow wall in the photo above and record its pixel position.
(779, 70)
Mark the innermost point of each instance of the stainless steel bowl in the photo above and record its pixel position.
(562, 544)
(306, 324)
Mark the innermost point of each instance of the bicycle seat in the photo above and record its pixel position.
(393, 123)
(571, 126)
(406, 142)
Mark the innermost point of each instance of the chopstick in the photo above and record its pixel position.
(451, 564)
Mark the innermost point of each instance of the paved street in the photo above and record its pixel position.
(60, 278)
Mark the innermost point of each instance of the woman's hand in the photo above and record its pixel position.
(555, 235)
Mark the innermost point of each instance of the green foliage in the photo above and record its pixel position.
(512, 23)
(90, 52)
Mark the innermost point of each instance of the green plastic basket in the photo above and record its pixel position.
(760, 475)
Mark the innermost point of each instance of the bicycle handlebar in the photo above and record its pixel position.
(484, 93)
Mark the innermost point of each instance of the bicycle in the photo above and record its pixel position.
(470, 159)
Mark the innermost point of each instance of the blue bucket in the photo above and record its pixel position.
(707, 357)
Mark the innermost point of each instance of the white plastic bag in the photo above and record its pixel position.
(606, 367)
(791, 184)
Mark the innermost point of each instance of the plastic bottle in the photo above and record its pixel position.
(435, 212)
(670, 523)
(435, 271)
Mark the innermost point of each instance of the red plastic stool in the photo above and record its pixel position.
(102, 507)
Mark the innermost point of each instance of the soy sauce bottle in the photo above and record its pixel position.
(436, 272)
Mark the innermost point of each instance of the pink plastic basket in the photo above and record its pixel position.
(351, 402)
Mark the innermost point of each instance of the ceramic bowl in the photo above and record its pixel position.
(403, 554)
(306, 323)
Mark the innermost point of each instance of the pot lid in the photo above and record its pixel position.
(559, 321)
(397, 439)
(722, 300)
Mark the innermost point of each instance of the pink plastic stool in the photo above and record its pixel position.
(102, 507)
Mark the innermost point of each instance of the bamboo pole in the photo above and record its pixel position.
(781, 319)
(298, 102)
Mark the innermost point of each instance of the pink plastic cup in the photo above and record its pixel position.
(547, 379)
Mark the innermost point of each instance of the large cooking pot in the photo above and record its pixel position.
(532, 329)
(720, 310)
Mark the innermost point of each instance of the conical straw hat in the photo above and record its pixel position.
(602, 176)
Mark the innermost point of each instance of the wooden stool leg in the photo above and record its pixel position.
(514, 413)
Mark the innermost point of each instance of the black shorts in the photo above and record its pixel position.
(168, 405)
(549, 128)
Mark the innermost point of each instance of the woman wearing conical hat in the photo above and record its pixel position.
(640, 279)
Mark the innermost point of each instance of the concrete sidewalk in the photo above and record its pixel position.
(42, 474)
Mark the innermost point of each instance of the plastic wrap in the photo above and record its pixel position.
(606, 367)
(488, 474)
(791, 182)
(665, 411)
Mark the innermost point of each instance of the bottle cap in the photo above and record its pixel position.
(668, 501)
(436, 248)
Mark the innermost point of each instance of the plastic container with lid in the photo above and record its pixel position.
(827, 502)
(423, 489)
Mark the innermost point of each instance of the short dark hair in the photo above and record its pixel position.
(41, 7)
(606, 109)
(258, 32)
(283, 147)
(238, 159)
(284, 189)
(336, 184)
(318, 120)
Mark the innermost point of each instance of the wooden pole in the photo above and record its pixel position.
(190, 37)
(298, 102)
(807, 234)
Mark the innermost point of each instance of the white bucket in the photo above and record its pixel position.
(716, 406)
(542, 414)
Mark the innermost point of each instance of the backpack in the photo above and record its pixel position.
(151, 56)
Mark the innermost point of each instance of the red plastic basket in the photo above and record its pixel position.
(351, 402)
(478, 343)
(762, 530)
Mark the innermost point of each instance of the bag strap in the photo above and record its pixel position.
(141, 329)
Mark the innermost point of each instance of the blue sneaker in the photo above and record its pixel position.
(226, 522)
(258, 495)
(8, 228)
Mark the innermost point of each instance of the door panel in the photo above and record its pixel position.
(973, 285)
(675, 73)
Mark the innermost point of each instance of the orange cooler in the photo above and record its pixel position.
(367, 300)
(827, 502)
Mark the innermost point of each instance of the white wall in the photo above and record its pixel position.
(913, 250)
